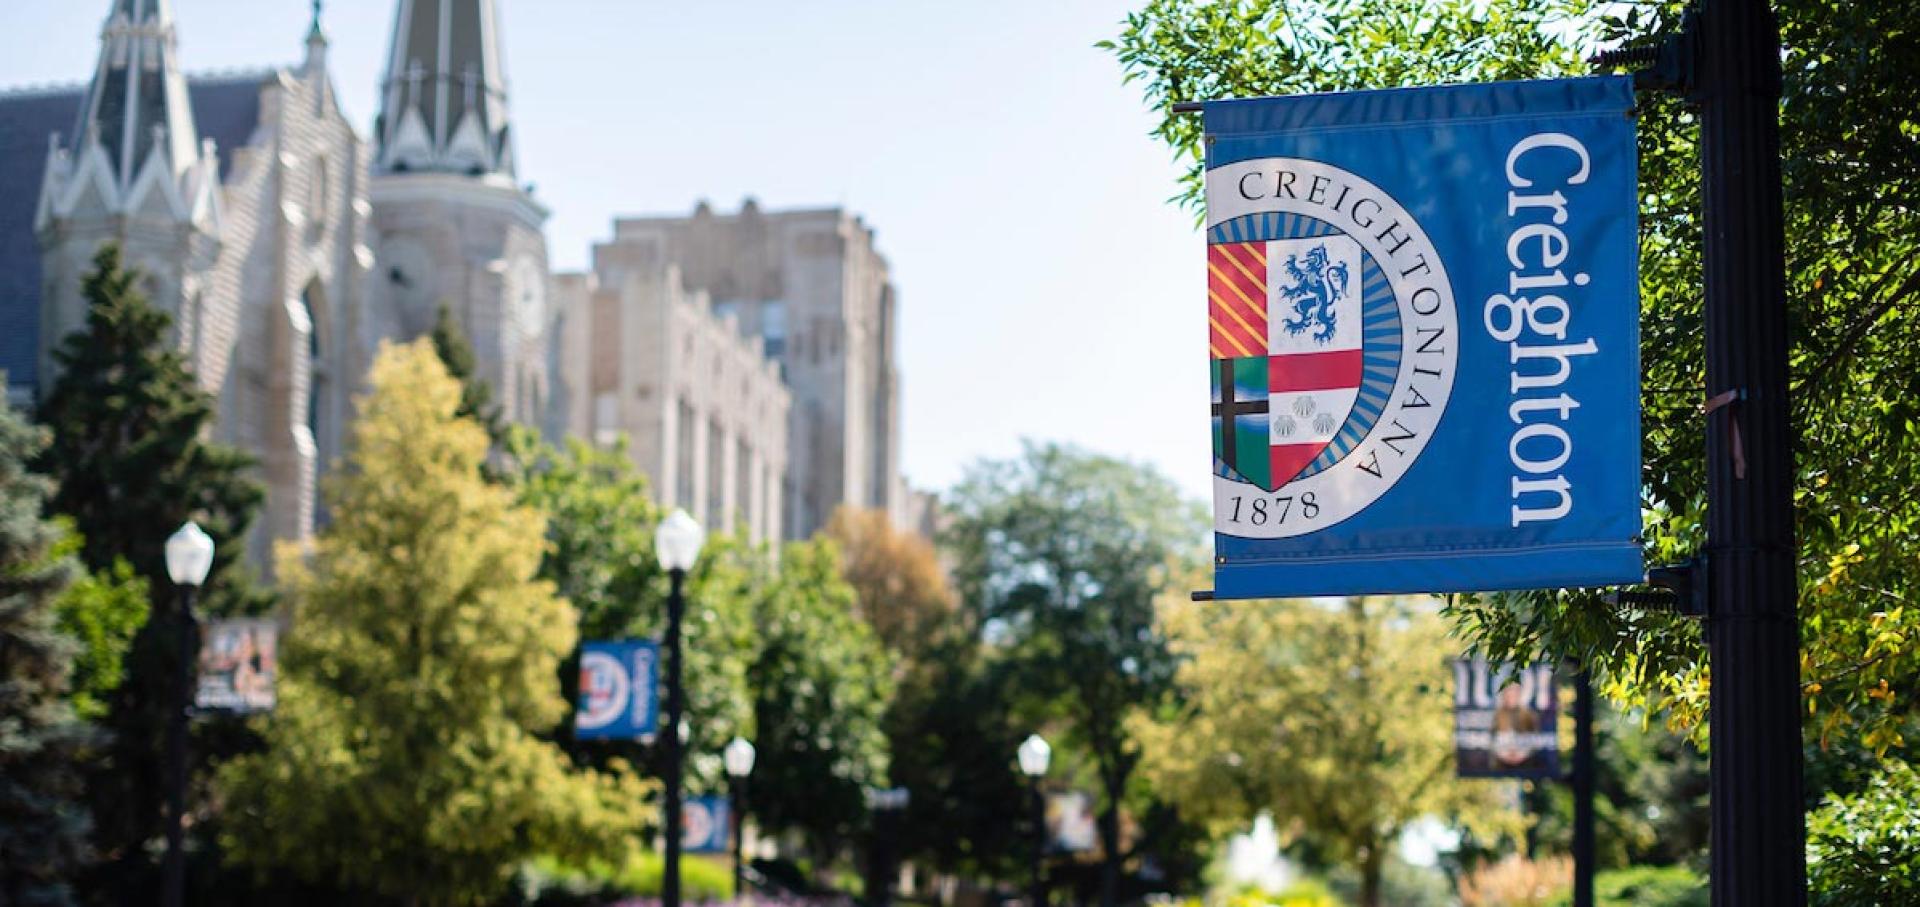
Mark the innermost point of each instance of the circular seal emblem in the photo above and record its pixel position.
(1334, 340)
(604, 690)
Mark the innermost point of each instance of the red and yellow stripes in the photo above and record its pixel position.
(1237, 298)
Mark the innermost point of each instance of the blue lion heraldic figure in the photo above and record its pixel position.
(1313, 293)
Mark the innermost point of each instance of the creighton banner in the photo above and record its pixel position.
(1423, 312)
(617, 684)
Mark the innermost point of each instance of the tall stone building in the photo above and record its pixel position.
(810, 286)
(241, 200)
(284, 245)
(704, 413)
(454, 227)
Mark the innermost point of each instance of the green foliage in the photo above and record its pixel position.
(43, 823)
(1646, 886)
(1347, 736)
(1061, 554)
(132, 462)
(102, 612)
(1849, 139)
(404, 755)
(1863, 850)
(549, 881)
(450, 343)
(600, 524)
(1651, 806)
(1304, 893)
(821, 681)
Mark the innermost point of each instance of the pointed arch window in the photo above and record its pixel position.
(313, 306)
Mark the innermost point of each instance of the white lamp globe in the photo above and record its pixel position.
(1034, 756)
(678, 541)
(189, 555)
(739, 757)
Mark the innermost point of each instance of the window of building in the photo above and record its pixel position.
(716, 477)
(773, 328)
(743, 484)
(683, 458)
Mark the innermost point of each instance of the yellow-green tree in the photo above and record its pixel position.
(1337, 719)
(419, 670)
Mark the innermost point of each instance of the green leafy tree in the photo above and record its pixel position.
(404, 756)
(821, 681)
(600, 524)
(43, 820)
(1336, 719)
(1863, 849)
(1062, 553)
(131, 463)
(1852, 78)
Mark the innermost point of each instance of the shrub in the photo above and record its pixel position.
(1516, 881)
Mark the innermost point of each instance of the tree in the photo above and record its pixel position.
(1852, 71)
(1863, 850)
(1062, 553)
(600, 523)
(102, 612)
(450, 343)
(1334, 718)
(131, 463)
(898, 584)
(404, 756)
(43, 820)
(821, 681)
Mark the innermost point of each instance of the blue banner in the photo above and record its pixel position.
(705, 823)
(618, 690)
(1424, 324)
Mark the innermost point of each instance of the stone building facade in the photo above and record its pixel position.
(811, 288)
(250, 230)
(705, 415)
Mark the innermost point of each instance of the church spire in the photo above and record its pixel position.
(138, 98)
(444, 103)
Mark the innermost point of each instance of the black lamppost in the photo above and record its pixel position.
(677, 544)
(1035, 754)
(189, 553)
(739, 761)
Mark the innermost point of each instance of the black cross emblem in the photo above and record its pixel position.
(1227, 409)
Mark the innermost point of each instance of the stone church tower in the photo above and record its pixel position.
(135, 173)
(454, 226)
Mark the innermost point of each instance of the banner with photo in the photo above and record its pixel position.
(1070, 823)
(239, 660)
(1505, 720)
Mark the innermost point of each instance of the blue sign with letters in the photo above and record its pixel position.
(1423, 312)
(704, 825)
(618, 682)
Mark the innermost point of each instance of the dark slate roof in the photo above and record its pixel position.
(226, 109)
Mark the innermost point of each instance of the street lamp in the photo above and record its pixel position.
(189, 553)
(1035, 754)
(677, 544)
(739, 761)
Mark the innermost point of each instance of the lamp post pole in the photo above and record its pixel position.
(738, 760)
(1034, 757)
(174, 873)
(1758, 828)
(189, 556)
(676, 606)
(677, 545)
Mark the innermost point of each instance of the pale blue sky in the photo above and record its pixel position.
(1047, 289)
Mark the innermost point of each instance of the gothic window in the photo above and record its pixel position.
(716, 476)
(314, 309)
(319, 192)
(684, 428)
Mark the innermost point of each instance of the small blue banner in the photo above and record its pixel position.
(1424, 325)
(705, 823)
(618, 684)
